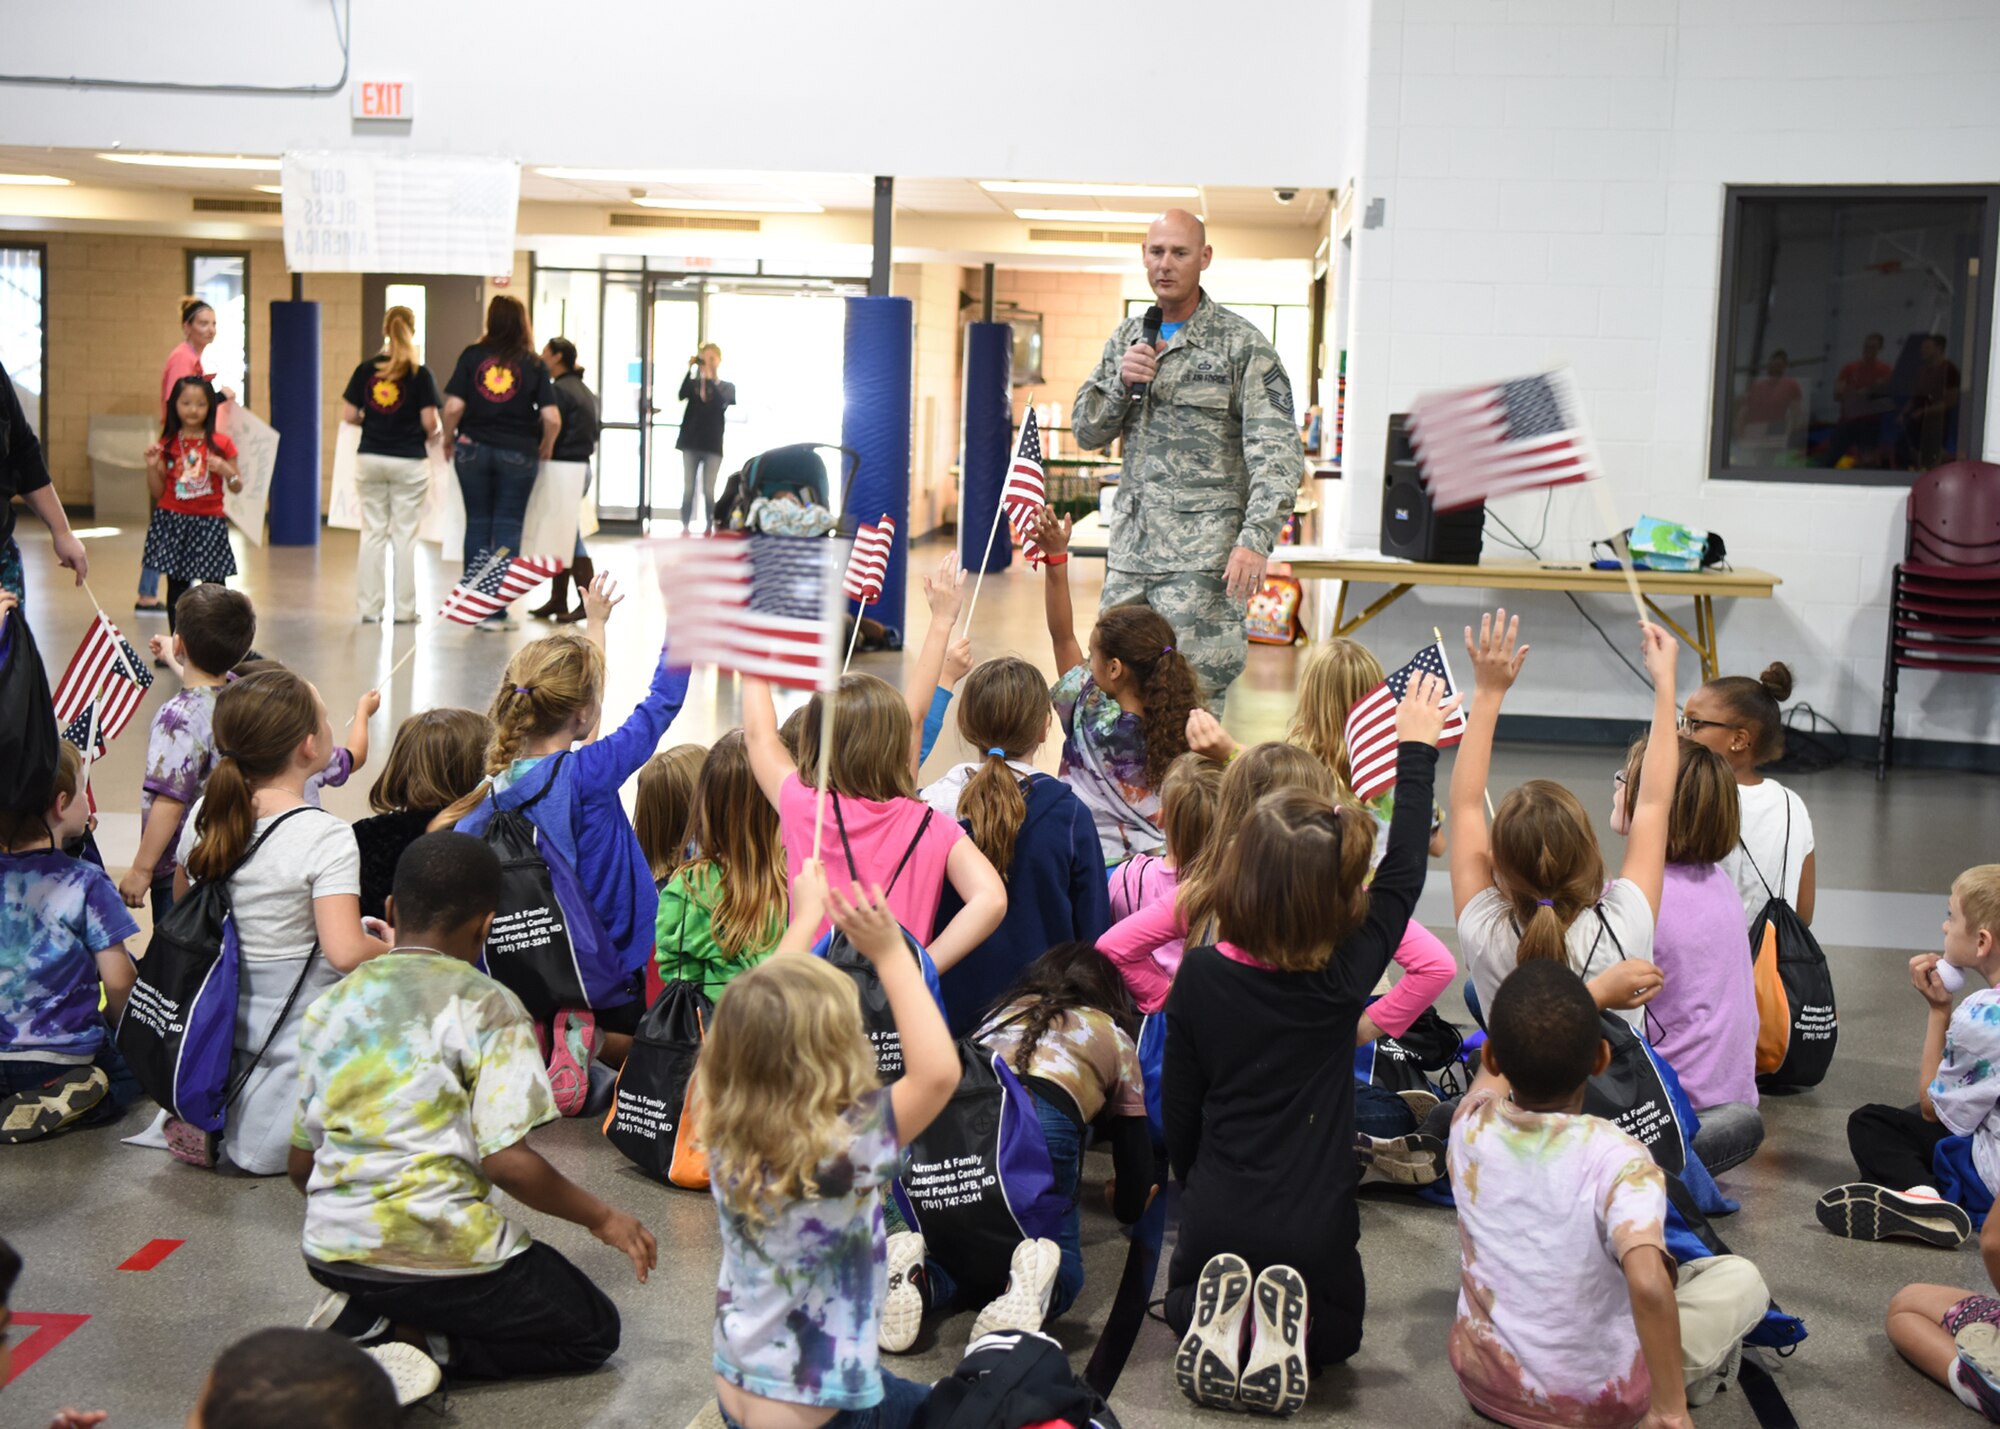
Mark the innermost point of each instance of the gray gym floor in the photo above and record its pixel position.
(79, 1205)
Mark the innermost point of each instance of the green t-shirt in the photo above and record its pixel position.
(412, 1069)
(684, 945)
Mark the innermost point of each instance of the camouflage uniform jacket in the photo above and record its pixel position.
(1212, 459)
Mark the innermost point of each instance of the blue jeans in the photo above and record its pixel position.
(1380, 1113)
(496, 484)
(27, 1076)
(149, 583)
(901, 1399)
(1065, 1141)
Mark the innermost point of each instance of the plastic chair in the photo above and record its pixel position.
(1944, 597)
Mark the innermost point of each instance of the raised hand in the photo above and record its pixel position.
(601, 598)
(944, 589)
(1421, 715)
(1660, 651)
(1496, 654)
(1051, 532)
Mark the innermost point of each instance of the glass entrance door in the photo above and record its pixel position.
(676, 334)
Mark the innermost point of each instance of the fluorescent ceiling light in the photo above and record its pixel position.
(191, 161)
(732, 205)
(1086, 215)
(663, 176)
(1012, 186)
(46, 181)
(268, 188)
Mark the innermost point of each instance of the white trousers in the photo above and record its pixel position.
(1721, 1299)
(392, 491)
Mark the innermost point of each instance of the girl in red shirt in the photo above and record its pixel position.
(188, 541)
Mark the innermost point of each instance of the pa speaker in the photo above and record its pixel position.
(1411, 528)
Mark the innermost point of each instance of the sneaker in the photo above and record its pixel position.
(1701, 1391)
(1031, 1286)
(1274, 1373)
(371, 620)
(1860, 1211)
(1413, 1160)
(414, 1373)
(338, 1313)
(409, 619)
(1421, 1103)
(903, 1306)
(569, 1059)
(188, 1143)
(158, 607)
(45, 1110)
(1205, 1364)
(498, 627)
(1978, 1367)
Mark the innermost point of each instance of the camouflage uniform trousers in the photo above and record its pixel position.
(1208, 625)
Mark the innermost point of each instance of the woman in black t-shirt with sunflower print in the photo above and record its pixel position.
(394, 400)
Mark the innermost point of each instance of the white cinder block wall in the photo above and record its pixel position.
(1553, 172)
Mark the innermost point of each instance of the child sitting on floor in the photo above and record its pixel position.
(1954, 1335)
(1570, 1309)
(1923, 1168)
(419, 1081)
(303, 1379)
(438, 757)
(722, 909)
(1187, 818)
(665, 807)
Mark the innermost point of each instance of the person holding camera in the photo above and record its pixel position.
(700, 441)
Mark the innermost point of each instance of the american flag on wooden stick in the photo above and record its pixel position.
(1479, 443)
(1371, 724)
(868, 563)
(1027, 488)
(85, 730)
(495, 583)
(104, 661)
(756, 604)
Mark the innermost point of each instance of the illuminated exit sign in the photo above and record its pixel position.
(384, 99)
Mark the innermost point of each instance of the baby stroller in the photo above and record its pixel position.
(784, 491)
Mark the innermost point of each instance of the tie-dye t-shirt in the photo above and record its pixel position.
(1966, 1093)
(1104, 761)
(799, 1300)
(412, 1069)
(1548, 1208)
(56, 914)
(179, 753)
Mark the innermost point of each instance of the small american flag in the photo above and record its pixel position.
(1026, 491)
(1479, 443)
(755, 604)
(1371, 724)
(494, 584)
(79, 731)
(868, 564)
(104, 662)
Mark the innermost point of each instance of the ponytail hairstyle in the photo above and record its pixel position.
(1704, 821)
(734, 830)
(1139, 638)
(1337, 674)
(1294, 881)
(24, 828)
(260, 722)
(565, 349)
(871, 753)
(1067, 978)
(1187, 806)
(507, 331)
(171, 426)
(1546, 865)
(665, 806)
(399, 326)
(191, 308)
(438, 758)
(545, 684)
(1755, 704)
(1003, 712)
(1259, 770)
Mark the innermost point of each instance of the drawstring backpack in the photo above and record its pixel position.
(653, 1105)
(1014, 1379)
(29, 741)
(1797, 1026)
(876, 1019)
(1630, 1093)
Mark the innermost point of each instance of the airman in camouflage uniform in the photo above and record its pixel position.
(1212, 461)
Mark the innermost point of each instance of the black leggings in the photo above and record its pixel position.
(1893, 1145)
(176, 588)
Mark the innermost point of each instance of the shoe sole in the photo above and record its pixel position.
(1031, 1281)
(1205, 1363)
(903, 1305)
(187, 1143)
(47, 1110)
(1274, 1378)
(415, 1374)
(1421, 1104)
(1860, 1211)
(1413, 1160)
(1979, 1365)
(569, 1059)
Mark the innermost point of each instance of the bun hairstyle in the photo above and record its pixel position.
(399, 326)
(260, 721)
(734, 830)
(1259, 770)
(871, 755)
(1755, 704)
(1276, 900)
(1546, 864)
(1067, 978)
(1187, 805)
(1003, 713)
(438, 758)
(565, 349)
(545, 684)
(1139, 638)
(665, 806)
(191, 308)
(1337, 674)
(1704, 820)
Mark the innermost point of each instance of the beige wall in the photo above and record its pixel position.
(114, 304)
(933, 291)
(1078, 310)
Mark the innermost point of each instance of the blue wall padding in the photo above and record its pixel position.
(877, 356)
(989, 442)
(295, 412)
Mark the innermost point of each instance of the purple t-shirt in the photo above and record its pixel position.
(56, 914)
(179, 754)
(1704, 1018)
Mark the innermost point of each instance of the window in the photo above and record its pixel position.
(222, 280)
(23, 336)
(1854, 332)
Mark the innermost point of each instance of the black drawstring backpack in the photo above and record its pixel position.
(28, 734)
(652, 1114)
(876, 1019)
(1797, 1026)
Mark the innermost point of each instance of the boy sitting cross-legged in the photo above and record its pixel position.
(420, 1078)
(1570, 1310)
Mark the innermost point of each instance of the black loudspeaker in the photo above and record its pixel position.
(1411, 529)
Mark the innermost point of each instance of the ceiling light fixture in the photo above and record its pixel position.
(192, 161)
(1086, 215)
(668, 176)
(41, 181)
(1015, 186)
(268, 188)
(731, 205)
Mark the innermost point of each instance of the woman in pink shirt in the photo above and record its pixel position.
(197, 332)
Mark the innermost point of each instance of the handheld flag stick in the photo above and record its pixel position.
(999, 510)
(1610, 516)
(1445, 660)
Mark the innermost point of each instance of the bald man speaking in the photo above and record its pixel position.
(1212, 459)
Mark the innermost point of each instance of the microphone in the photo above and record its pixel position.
(1152, 329)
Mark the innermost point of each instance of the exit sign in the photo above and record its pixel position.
(384, 99)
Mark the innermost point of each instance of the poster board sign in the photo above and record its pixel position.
(444, 510)
(343, 497)
(550, 527)
(256, 459)
(369, 212)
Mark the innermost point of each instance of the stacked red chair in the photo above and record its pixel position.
(1944, 598)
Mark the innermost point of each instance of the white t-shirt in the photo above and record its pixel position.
(312, 856)
(1489, 942)
(1764, 811)
(942, 795)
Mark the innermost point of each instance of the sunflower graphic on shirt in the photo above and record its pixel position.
(385, 394)
(496, 380)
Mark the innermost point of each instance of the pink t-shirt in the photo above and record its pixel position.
(183, 361)
(879, 832)
(1704, 1017)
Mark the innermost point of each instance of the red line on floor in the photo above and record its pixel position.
(49, 1330)
(151, 1254)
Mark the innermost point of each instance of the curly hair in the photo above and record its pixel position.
(1067, 978)
(1139, 638)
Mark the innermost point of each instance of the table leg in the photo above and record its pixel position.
(1702, 637)
(1343, 626)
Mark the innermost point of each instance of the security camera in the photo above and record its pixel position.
(1284, 195)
